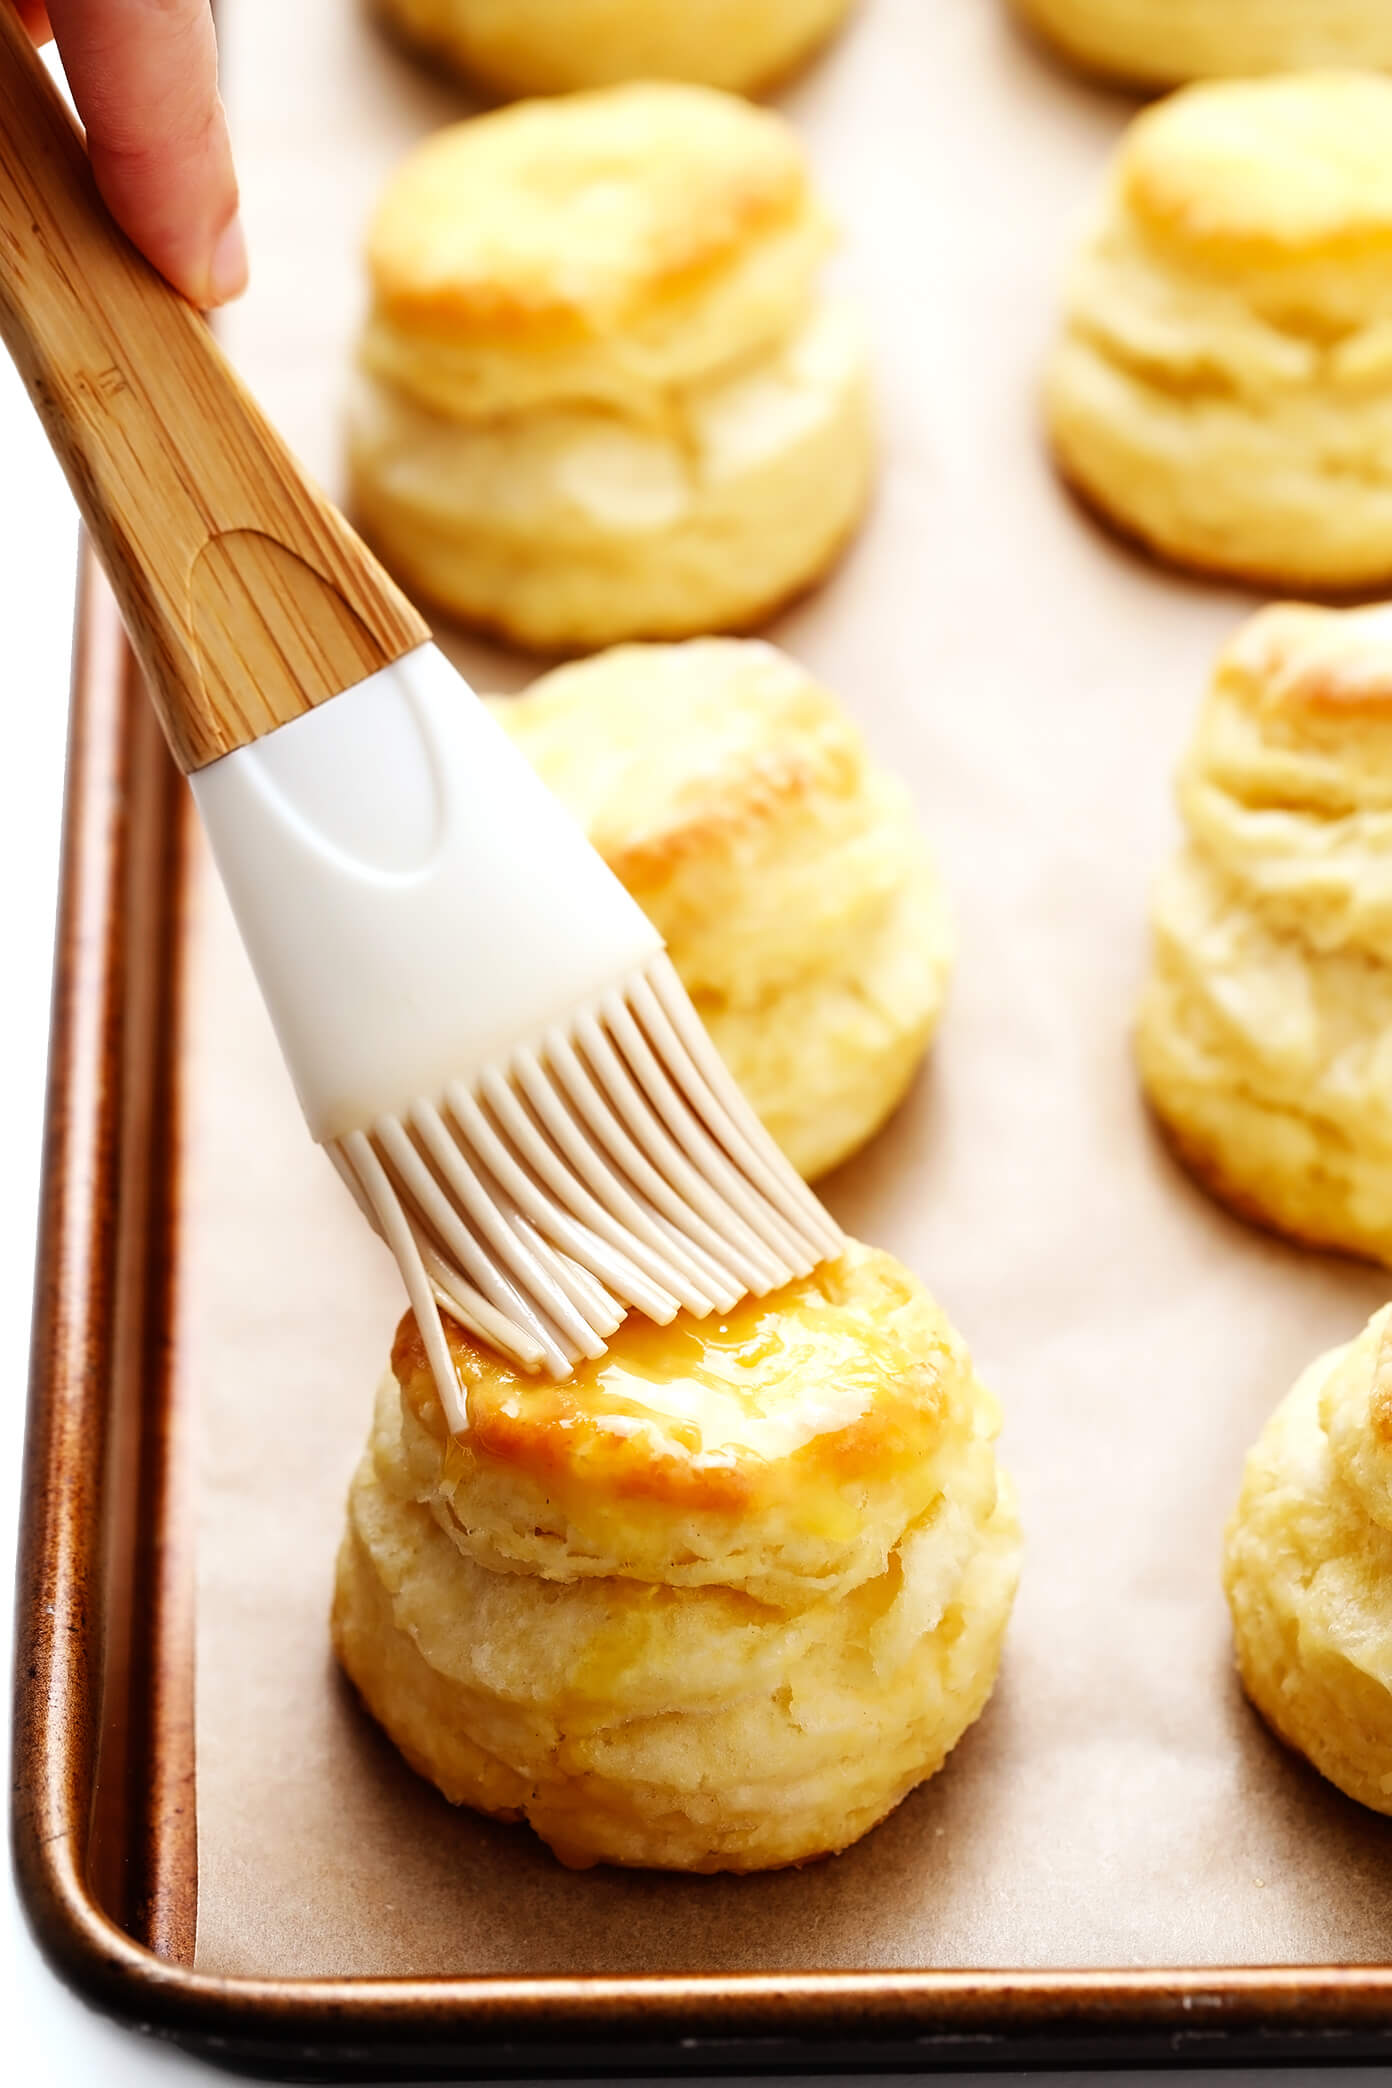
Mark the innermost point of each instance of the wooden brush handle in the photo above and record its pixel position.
(247, 597)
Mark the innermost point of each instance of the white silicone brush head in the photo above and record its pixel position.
(486, 1035)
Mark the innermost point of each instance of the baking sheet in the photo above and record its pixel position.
(1035, 682)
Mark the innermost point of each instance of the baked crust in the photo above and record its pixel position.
(1263, 1035)
(786, 872)
(716, 1604)
(1159, 43)
(1222, 382)
(590, 215)
(790, 1443)
(556, 46)
(600, 395)
(1308, 1567)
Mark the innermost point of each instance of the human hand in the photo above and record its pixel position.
(143, 74)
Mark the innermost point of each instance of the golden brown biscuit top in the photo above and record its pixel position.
(668, 753)
(1333, 663)
(570, 217)
(848, 1375)
(1263, 171)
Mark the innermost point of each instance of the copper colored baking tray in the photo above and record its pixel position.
(103, 1807)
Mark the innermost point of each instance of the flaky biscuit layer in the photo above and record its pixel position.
(781, 1450)
(576, 527)
(1222, 384)
(601, 395)
(1308, 1567)
(787, 873)
(602, 248)
(1265, 1031)
(716, 1605)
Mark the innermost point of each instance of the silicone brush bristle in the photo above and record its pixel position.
(613, 1166)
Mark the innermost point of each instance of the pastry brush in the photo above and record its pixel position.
(484, 1030)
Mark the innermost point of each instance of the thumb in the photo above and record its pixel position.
(144, 77)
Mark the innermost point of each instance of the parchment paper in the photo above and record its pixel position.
(1036, 683)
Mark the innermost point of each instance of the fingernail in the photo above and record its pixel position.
(227, 271)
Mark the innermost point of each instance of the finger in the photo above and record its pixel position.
(143, 74)
(35, 19)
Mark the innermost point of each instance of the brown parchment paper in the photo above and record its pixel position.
(1035, 682)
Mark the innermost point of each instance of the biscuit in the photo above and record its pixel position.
(1222, 384)
(512, 47)
(1265, 1031)
(601, 395)
(1308, 1567)
(715, 1603)
(1159, 43)
(798, 899)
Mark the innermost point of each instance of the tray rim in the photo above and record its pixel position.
(470, 2026)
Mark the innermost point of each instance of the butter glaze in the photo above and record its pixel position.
(808, 1424)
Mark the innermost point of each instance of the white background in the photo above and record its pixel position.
(48, 2035)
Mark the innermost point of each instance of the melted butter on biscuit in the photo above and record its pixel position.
(785, 1444)
(795, 1399)
(717, 1386)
